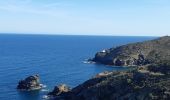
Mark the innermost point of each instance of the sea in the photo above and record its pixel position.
(58, 59)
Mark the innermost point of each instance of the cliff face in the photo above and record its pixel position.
(136, 54)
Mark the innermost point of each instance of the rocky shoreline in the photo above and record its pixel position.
(147, 78)
(121, 86)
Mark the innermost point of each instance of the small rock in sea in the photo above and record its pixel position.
(63, 88)
(30, 83)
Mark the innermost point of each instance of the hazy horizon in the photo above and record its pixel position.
(86, 17)
(67, 34)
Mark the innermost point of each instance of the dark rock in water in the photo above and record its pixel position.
(136, 54)
(58, 90)
(30, 83)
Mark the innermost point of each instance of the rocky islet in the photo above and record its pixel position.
(30, 83)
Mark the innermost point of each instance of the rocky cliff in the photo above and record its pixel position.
(136, 54)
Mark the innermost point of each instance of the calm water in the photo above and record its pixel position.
(57, 59)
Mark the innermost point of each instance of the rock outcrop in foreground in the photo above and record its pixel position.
(30, 83)
(136, 54)
(58, 90)
(149, 81)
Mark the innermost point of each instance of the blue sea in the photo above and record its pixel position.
(56, 58)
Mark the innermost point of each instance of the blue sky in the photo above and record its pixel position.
(86, 17)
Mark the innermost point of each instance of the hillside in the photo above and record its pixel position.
(136, 54)
(148, 79)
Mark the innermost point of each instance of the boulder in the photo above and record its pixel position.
(30, 83)
(63, 88)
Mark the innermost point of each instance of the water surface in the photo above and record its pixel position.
(57, 59)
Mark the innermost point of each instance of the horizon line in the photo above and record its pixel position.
(67, 34)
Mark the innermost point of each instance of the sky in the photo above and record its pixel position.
(86, 17)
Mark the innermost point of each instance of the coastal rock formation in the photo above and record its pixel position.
(148, 79)
(58, 90)
(123, 85)
(30, 83)
(136, 54)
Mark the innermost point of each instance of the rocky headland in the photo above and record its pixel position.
(30, 83)
(136, 54)
(148, 77)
